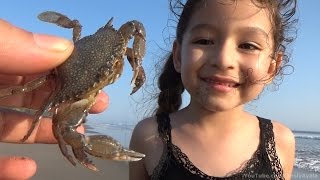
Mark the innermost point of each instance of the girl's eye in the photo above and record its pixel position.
(248, 46)
(204, 42)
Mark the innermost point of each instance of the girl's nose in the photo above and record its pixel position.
(223, 56)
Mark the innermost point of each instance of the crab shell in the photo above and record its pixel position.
(97, 60)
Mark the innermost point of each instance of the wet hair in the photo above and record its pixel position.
(282, 19)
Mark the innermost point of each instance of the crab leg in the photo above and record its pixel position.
(137, 52)
(65, 122)
(29, 86)
(63, 21)
(23, 110)
(39, 114)
(138, 73)
(26, 88)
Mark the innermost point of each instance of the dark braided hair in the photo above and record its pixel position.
(171, 89)
(281, 14)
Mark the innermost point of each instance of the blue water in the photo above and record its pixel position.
(307, 150)
(307, 143)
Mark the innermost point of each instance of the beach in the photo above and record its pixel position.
(52, 165)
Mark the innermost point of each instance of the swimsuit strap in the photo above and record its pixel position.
(268, 147)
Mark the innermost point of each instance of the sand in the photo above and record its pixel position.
(53, 166)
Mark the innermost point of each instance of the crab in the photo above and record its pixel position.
(97, 61)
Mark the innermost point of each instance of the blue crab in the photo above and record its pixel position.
(97, 61)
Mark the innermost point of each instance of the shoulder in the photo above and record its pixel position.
(144, 131)
(283, 136)
(285, 147)
(145, 128)
(145, 139)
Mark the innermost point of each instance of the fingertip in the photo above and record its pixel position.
(51, 43)
(29, 166)
(23, 52)
(102, 102)
(54, 48)
(15, 167)
(81, 129)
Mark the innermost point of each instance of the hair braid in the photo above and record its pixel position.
(171, 89)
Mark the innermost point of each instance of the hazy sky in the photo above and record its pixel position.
(296, 103)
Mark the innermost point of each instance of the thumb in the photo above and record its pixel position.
(23, 52)
(14, 167)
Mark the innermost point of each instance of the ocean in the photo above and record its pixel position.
(307, 150)
(307, 163)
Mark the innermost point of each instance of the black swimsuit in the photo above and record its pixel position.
(175, 165)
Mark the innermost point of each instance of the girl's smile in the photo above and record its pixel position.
(221, 84)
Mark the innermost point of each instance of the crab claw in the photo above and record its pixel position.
(135, 54)
(138, 79)
(106, 147)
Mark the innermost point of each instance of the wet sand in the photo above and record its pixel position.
(52, 165)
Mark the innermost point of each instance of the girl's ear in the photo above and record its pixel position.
(176, 54)
(274, 66)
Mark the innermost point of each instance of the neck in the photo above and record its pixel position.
(207, 119)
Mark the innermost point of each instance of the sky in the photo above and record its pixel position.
(296, 103)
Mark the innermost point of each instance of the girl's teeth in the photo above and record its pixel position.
(224, 84)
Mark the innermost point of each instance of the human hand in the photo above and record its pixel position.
(24, 56)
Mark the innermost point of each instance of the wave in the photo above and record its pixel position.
(119, 126)
(310, 164)
(307, 135)
(313, 137)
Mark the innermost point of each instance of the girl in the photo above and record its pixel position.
(225, 53)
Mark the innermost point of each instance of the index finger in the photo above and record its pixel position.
(23, 52)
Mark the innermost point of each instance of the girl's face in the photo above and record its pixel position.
(225, 55)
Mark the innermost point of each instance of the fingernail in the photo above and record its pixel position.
(19, 158)
(51, 43)
(103, 98)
